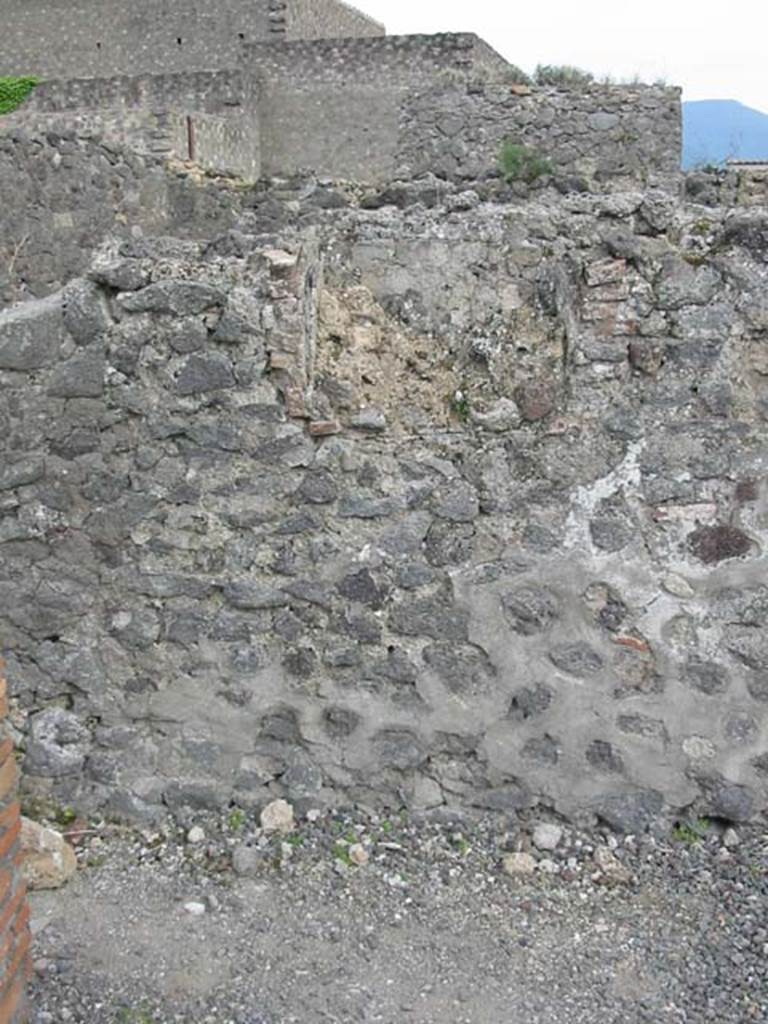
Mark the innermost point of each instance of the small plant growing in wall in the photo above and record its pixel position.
(691, 832)
(13, 92)
(459, 404)
(522, 163)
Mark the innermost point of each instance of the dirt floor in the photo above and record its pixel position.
(228, 925)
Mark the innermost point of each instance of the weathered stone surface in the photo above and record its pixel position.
(612, 529)
(707, 676)
(201, 373)
(535, 400)
(541, 750)
(748, 230)
(177, 297)
(361, 586)
(247, 861)
(461, 668)
(277, 817)
(530, 701)
(547, 836)
(81, 376)
(577, 659)
(86, 315)
(21, 472)
(318, 488)
(31, 334)
(459, 609)
(713, 544)
(255, 596)
(731, 802)
(749, 646)
(630, 812)
(610, 867)
(430, 617)
(530, 609)
(679, 284)
(603, 758)
(58, 744)
(458, 504)
(518, 864)
(48, 861)
(398, 748)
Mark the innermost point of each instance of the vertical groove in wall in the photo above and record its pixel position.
(15, 962)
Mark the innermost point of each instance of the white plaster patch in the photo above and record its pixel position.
(585, 500)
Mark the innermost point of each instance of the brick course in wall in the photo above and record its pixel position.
(15, 962)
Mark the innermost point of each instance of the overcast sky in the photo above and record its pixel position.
(712, 51)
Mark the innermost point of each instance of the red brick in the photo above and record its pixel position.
(635, 643)
(13, 954)
(9, 837)
(9, 914)
(22, 918)
(22, 949)
(11, 999)
(6, 883)
(17, 968)
(11, 813)
(7, 771)
(322, 428)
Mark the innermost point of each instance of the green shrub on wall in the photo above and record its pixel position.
(13, 92)
(521, 163)
(563, 75)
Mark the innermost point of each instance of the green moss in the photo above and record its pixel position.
(236, 820)
(13, 92)
(691, 832)
(460, 407)
(341, 852)
(65, 816)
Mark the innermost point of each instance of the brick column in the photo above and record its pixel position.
(15, 961)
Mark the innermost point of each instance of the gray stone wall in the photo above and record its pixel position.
(331, 131)
(335, 106)
(468, 507)
(86, 38)
(322, 19)
(367, 109)
(145, 133)
(605, 131)
(372, 109)
(209, 118)
(208, 91)
(225, 144)
(62, 193)
(352, 62)
(731, 186)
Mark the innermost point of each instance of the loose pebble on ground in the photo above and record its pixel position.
(357, 917)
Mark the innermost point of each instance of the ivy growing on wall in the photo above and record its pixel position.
(13, 92)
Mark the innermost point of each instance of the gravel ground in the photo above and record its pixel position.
(218, 922)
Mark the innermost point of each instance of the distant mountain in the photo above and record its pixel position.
(717, 130)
